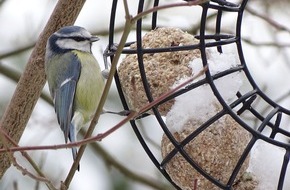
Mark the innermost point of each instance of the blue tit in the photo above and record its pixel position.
(74, 79)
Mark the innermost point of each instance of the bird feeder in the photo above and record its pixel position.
(207, 137)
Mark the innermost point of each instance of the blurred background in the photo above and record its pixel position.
(266, 43)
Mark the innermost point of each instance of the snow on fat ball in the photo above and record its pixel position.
(200, 102)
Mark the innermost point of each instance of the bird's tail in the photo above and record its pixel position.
(72, 138)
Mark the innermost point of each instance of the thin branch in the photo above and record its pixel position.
(13, 160)
(26, 172)
(126, 8)
(5, 139)
(157, 8)
(41, 164)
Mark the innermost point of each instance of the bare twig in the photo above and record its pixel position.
(154, 9)
(41, 163)
(12, 159)
(5, 139)
(26, 172)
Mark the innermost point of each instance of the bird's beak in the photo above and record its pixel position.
(94, 39)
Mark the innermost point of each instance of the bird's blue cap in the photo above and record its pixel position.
(70, 29)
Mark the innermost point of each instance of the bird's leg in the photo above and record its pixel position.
(109, 51)
(121, 113)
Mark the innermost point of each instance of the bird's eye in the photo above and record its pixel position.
(78, 39)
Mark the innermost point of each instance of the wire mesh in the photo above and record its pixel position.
(243, 105)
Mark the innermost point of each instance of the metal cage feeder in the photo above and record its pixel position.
(243, 103)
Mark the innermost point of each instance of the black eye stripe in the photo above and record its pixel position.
(78, 39)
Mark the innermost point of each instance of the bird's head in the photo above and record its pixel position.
(70, 38)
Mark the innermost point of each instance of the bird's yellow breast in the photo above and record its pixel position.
(89, 87)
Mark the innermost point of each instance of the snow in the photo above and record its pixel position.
(200, 102)
(265, 163)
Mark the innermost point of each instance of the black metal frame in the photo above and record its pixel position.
(245, 101)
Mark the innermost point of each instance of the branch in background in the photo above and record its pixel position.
(266, 44)
(157, 8)
(267, 19)
(17, 51)
(15, 76)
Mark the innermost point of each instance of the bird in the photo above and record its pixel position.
(74, 79)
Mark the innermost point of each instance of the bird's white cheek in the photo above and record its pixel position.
(71, 44)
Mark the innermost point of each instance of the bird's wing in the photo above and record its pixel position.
(64, 95)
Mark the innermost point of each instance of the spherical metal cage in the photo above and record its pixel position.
(243, 104)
